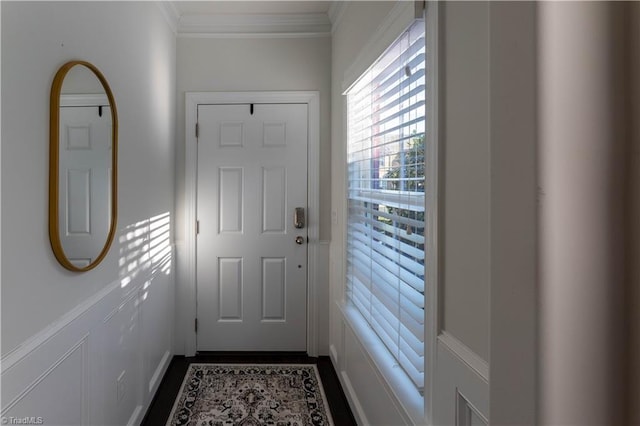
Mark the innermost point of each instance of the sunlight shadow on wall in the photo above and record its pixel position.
(145, 248)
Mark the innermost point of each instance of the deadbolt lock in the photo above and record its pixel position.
(298, 218)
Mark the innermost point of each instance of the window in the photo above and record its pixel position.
(386, 199)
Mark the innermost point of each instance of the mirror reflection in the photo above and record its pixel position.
(85, 147)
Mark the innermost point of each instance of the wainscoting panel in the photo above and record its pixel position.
(461, 395)
(102, 362)
(374, 405)
(156, 307)
(119, 355)
(63, 384)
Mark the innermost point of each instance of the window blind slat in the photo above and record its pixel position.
(396, 128)
(409, 296)
(396, 245)
(365, 204)
(414, 237)
(400, 60)
(383, 93)
(406, 278)
(382, 119)
(384, 99)
(370, 212)
(388, 324)
(376, 287)
(404, 275)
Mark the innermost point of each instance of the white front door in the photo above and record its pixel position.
(251, 259)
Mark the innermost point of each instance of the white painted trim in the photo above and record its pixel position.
(336, 12)
(157, 376)
(333, 353)
(396, 22)
(0, 165)
(34, 342)
(433, 201)
(188, 304)
(466, 355)
(186, 286)
(256, 25)
(464, 408)
(453, 376)
(313, 213)
(136, 417)
(14, 356)
(170, 13)
(81, 344)
(253, 35)
(352, 397)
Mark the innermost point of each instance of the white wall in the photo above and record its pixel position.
(513, 349)
(258, 64)
(464, 215)
(583, 97)
(116, 318)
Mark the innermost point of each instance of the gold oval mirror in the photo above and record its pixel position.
(83, 154)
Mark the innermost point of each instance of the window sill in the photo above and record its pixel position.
(400, 385)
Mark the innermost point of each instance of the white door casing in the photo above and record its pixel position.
(251, 260)
(187, 300)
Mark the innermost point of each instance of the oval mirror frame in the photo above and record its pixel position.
(54, 145)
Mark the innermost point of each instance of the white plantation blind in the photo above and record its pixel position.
(386, 223)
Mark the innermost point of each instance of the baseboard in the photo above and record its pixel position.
(333, 353)
(136, 417)
(159, 373)
(352, 397)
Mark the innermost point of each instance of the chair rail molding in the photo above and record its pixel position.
(101, 362)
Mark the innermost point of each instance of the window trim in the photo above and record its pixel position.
(433, 201)
(386, 117)
(390, 30)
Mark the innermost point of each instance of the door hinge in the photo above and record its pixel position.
(197, 130)
(197, 227)
(196, 325)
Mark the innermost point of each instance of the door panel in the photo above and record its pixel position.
(85, 173)
(251, 273)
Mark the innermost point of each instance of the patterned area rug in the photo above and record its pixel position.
(251, 395)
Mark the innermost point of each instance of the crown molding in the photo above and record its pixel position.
(170, 13)
(336, 12)
(254, 25)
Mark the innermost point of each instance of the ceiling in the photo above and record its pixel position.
(260, 7)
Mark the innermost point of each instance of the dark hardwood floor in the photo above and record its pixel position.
(162, 403)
